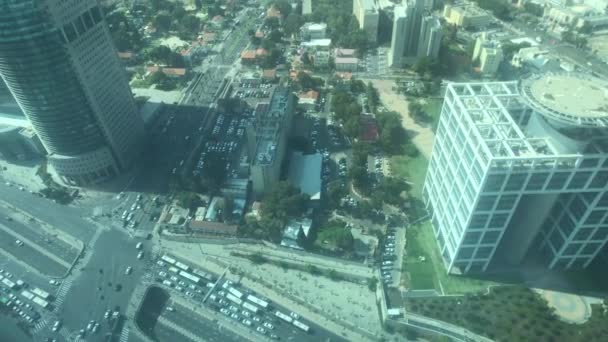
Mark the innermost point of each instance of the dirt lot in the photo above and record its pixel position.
(422, 136)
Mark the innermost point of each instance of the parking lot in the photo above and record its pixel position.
(239, 306)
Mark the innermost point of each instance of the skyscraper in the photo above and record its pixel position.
(366, 12)
(519, 169)
(415, 34)
(58, 61)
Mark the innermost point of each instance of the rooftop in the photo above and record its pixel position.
(305, 173)
(580, 100)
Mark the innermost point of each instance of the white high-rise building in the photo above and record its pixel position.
(415, 34)
(520, 169)
(59, 62)
(366, 12)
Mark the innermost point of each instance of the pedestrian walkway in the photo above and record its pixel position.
(62, 292)
(124, 334)
(39, 326)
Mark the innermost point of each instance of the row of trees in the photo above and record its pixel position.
(347, 111)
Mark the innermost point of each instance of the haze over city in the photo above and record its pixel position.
(314, 170)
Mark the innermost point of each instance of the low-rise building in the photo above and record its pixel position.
(345, 60)
(307, 100)
(535, 60)
(321, 59)
(488, 53)
(305, 174)
(170, 72)
(313, 31)
(466, 15)
(317, 44)
(369, 128)
(213, 229)
(296, 232)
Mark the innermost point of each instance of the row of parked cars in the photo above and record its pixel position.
(388, 257)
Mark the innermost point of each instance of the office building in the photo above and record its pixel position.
(272, 126)
(366, 12)
(415, 34)
(467, 16)
(520, 170)
(488, 53)
(58, 61)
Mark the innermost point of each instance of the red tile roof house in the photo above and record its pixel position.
(308, 99)
(171, 72)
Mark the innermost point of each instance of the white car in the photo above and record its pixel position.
(261, 330)
(268, 325)
(294, 315)
(247, 322)
(128, 270)
(54, 282)
(140, 255)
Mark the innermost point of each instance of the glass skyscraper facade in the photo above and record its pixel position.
(518, 167)
(58, 61)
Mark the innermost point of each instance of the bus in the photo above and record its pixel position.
(250, 307)
(8, 283)
(234, 299)
(283, 316)
(235, 292)
(167, 259)
(301, 325)
(27, 294)
(261, 303)
(43, 303)
(203, 275)
(41, 293)
(182, 266)
(190, 277)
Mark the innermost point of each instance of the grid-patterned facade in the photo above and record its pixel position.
(502, 178)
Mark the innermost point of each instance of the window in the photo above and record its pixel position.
(69, 32)
(483, 252)
(566, 225)
(471, 238)
(556, 240)
(600, 180)
(507, 202)
(486, 202)
(589, 162)
(579, 180)
(465, 253)
(498, 221)
(577, 207)
(79, 26)
(603, 202)
(558, 180)
(96, 13)
(590, 248)
(537, 181)
(490, 237)
(600, 234)
(595, 217)
(572, 249)
(583, 234)
(88, 21)
(516, 181)
(479, 221)
(494, 182)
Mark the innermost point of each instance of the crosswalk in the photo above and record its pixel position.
(39, 326)
(62, 292)
(124, 335)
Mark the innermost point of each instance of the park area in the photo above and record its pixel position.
(424, 266)
(511, 313)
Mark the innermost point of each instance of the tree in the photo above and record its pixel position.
(534, 9)
(160, 54)
(372, 283)
(189, 200)
(344, 239)
(373, 98)
(191, 24)
(292, 24)
(360, 178)
(283, 6)
(392, 134)
(162, 22)
(275, 36)
(284, 201)
(352, 127)
(272, 23)
(198, 4)
(357, 86)
(427, 66)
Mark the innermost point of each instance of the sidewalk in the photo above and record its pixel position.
(36, 247)
(187, 333)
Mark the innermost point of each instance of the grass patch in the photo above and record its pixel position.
(412, 169)
(431, 273)
(327, 235)
(510, 314)
(432, 107)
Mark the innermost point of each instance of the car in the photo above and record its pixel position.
(246, 322)
(268, 325)
(54, 282)
(56, 326)
(140, 255)
(174, 278)
(128, 270)
(95, 328)
(90, 325)
(261, 330)
(170, 309)
(246, 313)
(107, 314)
(256, 319)
(162, 274)
(139, 245)
(274, 336)
(233, 308)
(179, 288)
(167, 283)
(81, 333)
(19, 243)
(225, 311)
(235, 316)
(181, 283)
(294, 315)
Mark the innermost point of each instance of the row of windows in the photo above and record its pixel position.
(481, 252)
(490, 237)
(82, 24)
(546, 181)
(496, 221)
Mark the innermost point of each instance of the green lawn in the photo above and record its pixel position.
(431, 272)
(411, 169)
(510, 314)
(433, 108)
